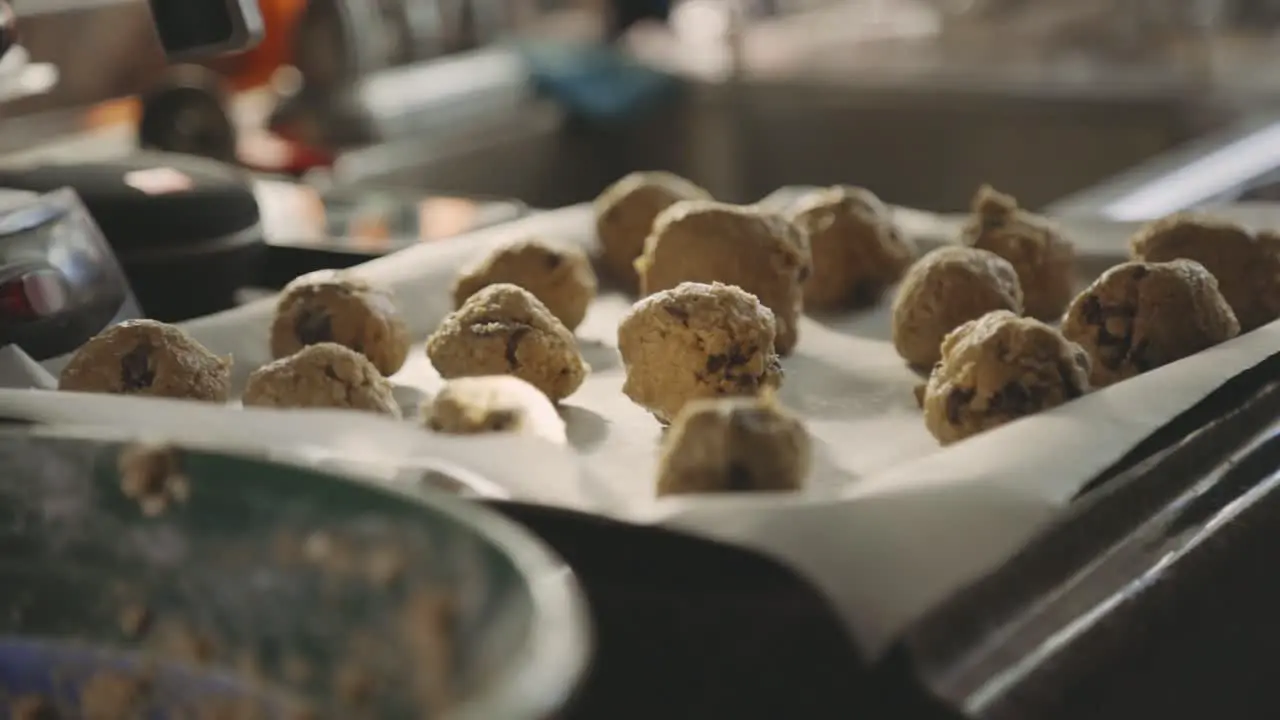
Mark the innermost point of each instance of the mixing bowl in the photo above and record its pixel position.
(147, 581)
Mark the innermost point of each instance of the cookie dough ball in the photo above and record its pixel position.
(1246, 266)
(329, 306)
(325, 375)
(560, 276)
(1139, 316)
(734, 445)
(857, 249)
(624, 217)
(946, 289)
(145, 357)
(504, 330)
(1043, 258)
(702, 242)
(495, 403)
(697, 341)
(999, 368)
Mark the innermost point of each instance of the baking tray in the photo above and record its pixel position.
(1153, 596)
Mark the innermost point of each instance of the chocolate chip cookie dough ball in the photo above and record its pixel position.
(947, 288)
(703, 242)
(624, 217)
(734, 445)
(145, 357)
(999, 368)
(560, 276)
(329, 306)
(504, 330)
(495, 403)
(1139, 316)
(697, 341)
(1043, 258)
(325, 375)
(1246, 266)
(857, 250)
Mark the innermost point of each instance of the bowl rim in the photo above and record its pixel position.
(539, 678)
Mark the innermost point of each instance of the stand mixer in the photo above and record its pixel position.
(60, 282)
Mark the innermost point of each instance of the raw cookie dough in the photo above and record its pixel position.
(624, 217)
(734, 445)
(704, 241)
(331, 306)
(999, 368)
(697, 341)
(325, 375)
(1247, 266)
(1043, 258)
(857, 249)
(560, 276)
(947, 288)
(145, 357)
(1139, 316)
(504, 330)
(493, 403)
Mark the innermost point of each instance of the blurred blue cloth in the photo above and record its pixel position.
(597, 82)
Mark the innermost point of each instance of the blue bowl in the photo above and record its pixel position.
(190, 582)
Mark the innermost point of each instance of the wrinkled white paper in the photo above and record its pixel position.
(890, 524)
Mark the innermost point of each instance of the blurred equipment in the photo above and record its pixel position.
(185, 229)
(187, 113)
(201, 29)
(60, 284)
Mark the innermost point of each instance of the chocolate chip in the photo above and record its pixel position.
(738, 478)
(805, 273)
(716, 363)
(313, 325)
(553, 260)
(513, 345)
(331, 372)
(1139, 272)
(1067, 376)
(1091, 309)
(502, 421)
(1015, 399)
(136, 372)
(956, 403)
(678, 313)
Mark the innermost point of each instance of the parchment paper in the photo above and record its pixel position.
(890, 525)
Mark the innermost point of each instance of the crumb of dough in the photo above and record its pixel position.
(326, 375)
(1246, 265)
(149, 358)
(329, 306)
(1042, 256)
(997, 369)
(625, 212)
(1139, 316)
(493, 403)
(706, 242)
(151, 475)
(734, 445)
(945, 289)
(559, 275)
(697, 341)
(858, 251)
(505, 330)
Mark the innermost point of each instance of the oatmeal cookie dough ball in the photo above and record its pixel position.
(325, 375)
(1043, 258)
(857, 250)
(1139, 316)
(145, 357)
(947, 288)
(493, 403)
(697, 341)
(734, 445)
(704, 242)
(504, 330)
(999, 368)
(560, 276)
(624, 217)
(1246, 266)
(330, 306)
